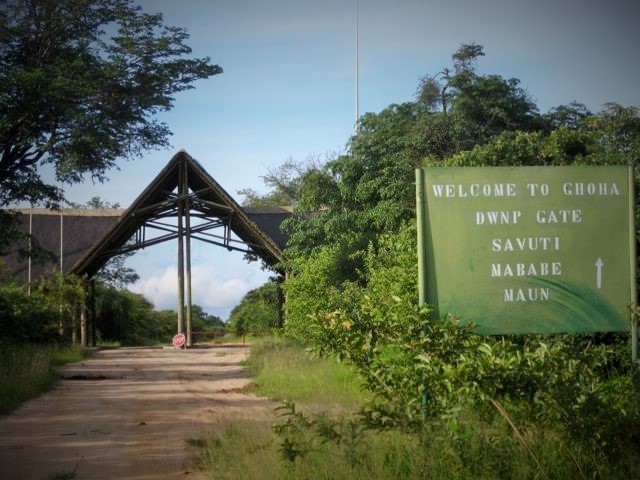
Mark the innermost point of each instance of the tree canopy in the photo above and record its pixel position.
(353, 255)
(80, 85)
(258, 310)
(460, 116)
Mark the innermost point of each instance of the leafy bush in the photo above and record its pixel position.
(27, 370)
(258, 310)
(26, 318)
(425, 370)
(130, 318)
(323, 281)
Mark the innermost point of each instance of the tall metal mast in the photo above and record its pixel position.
(357, 63)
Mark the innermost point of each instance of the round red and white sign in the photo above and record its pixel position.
(178, 340)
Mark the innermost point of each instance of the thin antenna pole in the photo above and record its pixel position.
(30, 246)
(61, 324)
(61, 239)
(357, 63)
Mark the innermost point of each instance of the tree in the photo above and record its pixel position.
(433, 92)
(285, 182)
(116, 274)
(75, 98)
(370, 189)
(203, 321)
(478, 106)
(485, 105)
(610, 137)
(571, 115)
(618, 131)
(96, 203)
(258, 309)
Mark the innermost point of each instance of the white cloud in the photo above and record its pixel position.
(161, 290)
(210, 288)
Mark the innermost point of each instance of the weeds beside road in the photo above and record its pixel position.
(28, 370)
(318, 435)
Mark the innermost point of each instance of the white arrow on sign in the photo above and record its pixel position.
(599, 265)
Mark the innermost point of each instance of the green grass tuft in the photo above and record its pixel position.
(27, 371)
(284, 370)
(196, 442)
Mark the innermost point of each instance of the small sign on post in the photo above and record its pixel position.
(528, 249)
(179, 340)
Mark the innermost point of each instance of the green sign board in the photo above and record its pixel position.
(528, 249)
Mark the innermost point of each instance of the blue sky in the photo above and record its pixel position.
(288, 89)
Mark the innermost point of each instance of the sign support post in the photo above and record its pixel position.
(635, 365)
(421, 224)
(422, 281)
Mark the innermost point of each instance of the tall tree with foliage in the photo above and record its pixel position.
(477, 106)
(114, 273)
(285, 182)
(369, 190)
(80, 85)
(361, 304)
(258, 309)
(366, 190)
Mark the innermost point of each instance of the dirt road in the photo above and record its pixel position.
(127, 413)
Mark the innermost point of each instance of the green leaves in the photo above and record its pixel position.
(74, 98)
(257, 310)
(354, 290)
(426, 370)
(302, 435)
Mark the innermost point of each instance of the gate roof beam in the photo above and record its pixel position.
(158, 199)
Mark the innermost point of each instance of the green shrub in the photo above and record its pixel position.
(426, 371)
(26, 318)
(258, 310)
(323, 282)
(28, 370)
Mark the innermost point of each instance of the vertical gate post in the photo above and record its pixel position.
(92, 310)
(187, 218)
(180, 251)
(83, 324)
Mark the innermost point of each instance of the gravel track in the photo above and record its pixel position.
(126, 413)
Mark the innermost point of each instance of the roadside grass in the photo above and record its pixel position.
(252, 452)
(285, 371)
(472, 448)
(27, 371)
